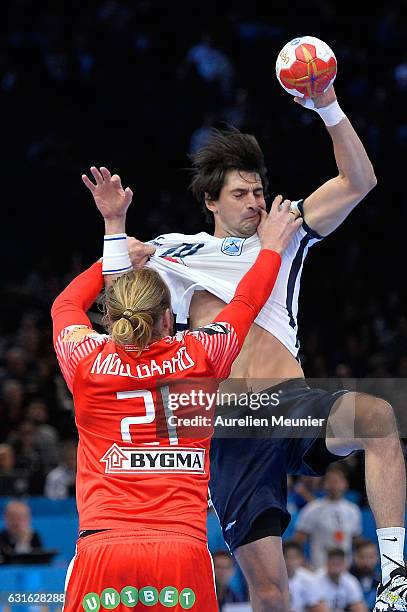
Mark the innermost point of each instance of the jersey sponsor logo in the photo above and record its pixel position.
(129, 596)
(212, 329)
(232, 246)
(165, 460)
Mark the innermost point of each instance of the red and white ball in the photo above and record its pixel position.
(306, 67)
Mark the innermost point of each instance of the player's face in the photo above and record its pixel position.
(17, 518)
(366, 558)
(293, 560)
(236, 211)
(335, 566)
(335, 484)
(224, 569)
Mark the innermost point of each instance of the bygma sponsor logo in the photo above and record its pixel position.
(148, 596)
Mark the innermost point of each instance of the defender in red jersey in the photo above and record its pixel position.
(141, 484)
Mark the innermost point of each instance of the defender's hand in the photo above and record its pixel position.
(277, 228)
(139, 252)
(110, 197)
(324, 99)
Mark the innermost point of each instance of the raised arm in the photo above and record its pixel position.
(112, 202)
(73, 335)
(326, 208)
(110, 198)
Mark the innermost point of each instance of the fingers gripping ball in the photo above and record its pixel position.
(306, 67)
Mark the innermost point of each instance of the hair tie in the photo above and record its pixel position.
(127, 314)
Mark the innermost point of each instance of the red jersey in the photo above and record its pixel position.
(135, 469)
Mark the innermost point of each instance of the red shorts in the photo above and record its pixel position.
(153, 569)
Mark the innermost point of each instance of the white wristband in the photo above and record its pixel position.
(294, 208)
(331, 114)
(116, 258)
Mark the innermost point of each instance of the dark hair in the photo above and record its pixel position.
(292, 545)
(225, 150)
(364, 543)
(336, 552)
(339, 468)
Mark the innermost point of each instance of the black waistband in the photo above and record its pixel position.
(86, 532)
(290, 383)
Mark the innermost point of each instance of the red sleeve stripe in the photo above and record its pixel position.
(69, 354)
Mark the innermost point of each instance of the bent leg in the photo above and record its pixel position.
(262, 563)
(364, 422)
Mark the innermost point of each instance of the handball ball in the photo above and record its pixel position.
(306, 67)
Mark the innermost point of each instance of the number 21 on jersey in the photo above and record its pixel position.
(149, 416)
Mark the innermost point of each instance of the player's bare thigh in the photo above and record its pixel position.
(355, 417)
(262, 563)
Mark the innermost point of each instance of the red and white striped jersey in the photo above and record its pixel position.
(141, 462)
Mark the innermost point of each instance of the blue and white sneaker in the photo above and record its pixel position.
(393, 595)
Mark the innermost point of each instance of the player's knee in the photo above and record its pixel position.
(269, 598)
(374, 418)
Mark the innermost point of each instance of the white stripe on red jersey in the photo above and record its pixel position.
(69, 354)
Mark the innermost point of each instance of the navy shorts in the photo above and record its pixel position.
(249, 474)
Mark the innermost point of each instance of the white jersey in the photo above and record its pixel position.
(201, 261)
(304, 591)
(330, 524)
(339, 596)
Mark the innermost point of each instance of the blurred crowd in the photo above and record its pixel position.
(135, 85)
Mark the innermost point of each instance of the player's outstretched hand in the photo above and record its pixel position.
(140, 252)
(110, 197)
(324, 99)
(277, 228)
